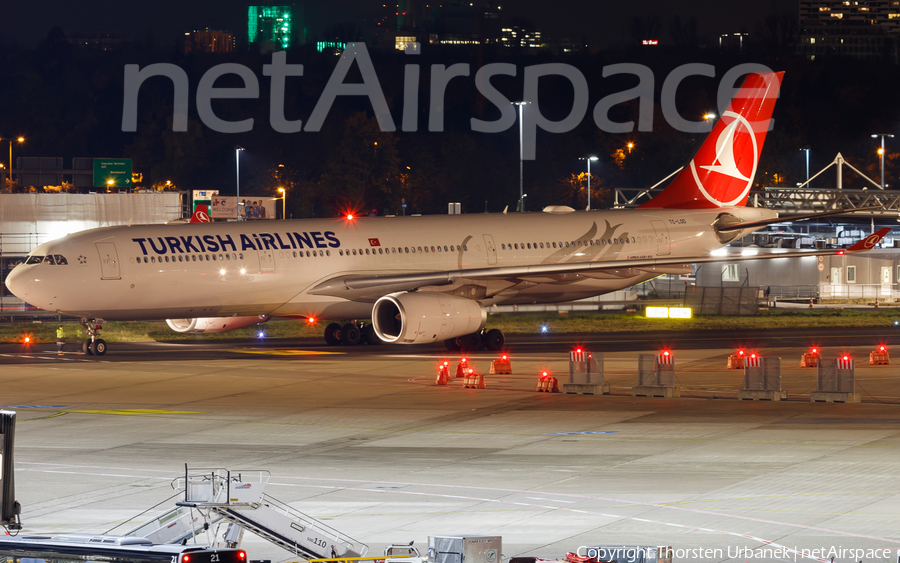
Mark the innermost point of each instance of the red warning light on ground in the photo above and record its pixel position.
(741, 352)
(544, 374)
(665, 353)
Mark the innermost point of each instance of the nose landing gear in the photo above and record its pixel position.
(95, 346)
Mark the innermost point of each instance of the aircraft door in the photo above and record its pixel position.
(662, 237)
(491, 249)
(109, 261)
(266, 261)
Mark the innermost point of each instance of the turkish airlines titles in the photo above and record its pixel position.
(253, 241)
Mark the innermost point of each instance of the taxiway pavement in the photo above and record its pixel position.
(365, 441)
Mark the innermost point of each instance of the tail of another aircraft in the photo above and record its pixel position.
(721, 173)
(201, 215)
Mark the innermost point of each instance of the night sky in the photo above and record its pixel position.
(601, 22)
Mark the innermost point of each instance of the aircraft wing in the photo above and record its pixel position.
(356, 287)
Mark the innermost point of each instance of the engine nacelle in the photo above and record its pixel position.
(210, 325)
(420, 318)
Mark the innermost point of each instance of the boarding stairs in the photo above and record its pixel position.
(237, 500)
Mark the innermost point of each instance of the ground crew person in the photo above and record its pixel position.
(60, 339)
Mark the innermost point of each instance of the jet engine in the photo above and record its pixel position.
(420, 318)
(210, 325)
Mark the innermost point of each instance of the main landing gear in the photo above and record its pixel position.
(350, 334)
(492, 339)
(95, 346)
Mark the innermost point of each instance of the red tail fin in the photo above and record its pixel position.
(721, 173)
(201, 215)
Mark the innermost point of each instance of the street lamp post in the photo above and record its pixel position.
(589, 158)
(521, 156)
(237, 178)
(283, 193)
(881, 152)
(806, 150)
(9, 172)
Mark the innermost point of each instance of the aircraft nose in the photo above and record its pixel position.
(15, 283)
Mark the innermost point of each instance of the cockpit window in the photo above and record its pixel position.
(50, 259)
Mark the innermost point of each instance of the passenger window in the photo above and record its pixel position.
(529, 246)
(327, 253)
(380, 251)
(153, 259)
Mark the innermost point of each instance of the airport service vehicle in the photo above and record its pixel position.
(77, 548)
(420, 279)
(222, 504)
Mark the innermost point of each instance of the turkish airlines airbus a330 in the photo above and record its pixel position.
(420, 279)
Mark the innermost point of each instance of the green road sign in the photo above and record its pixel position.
(112, 172)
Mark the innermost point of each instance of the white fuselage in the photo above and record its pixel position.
(272, 267)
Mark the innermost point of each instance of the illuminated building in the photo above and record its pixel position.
(209, 41)
(271, 27)
(516, 36)
(853, 28)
